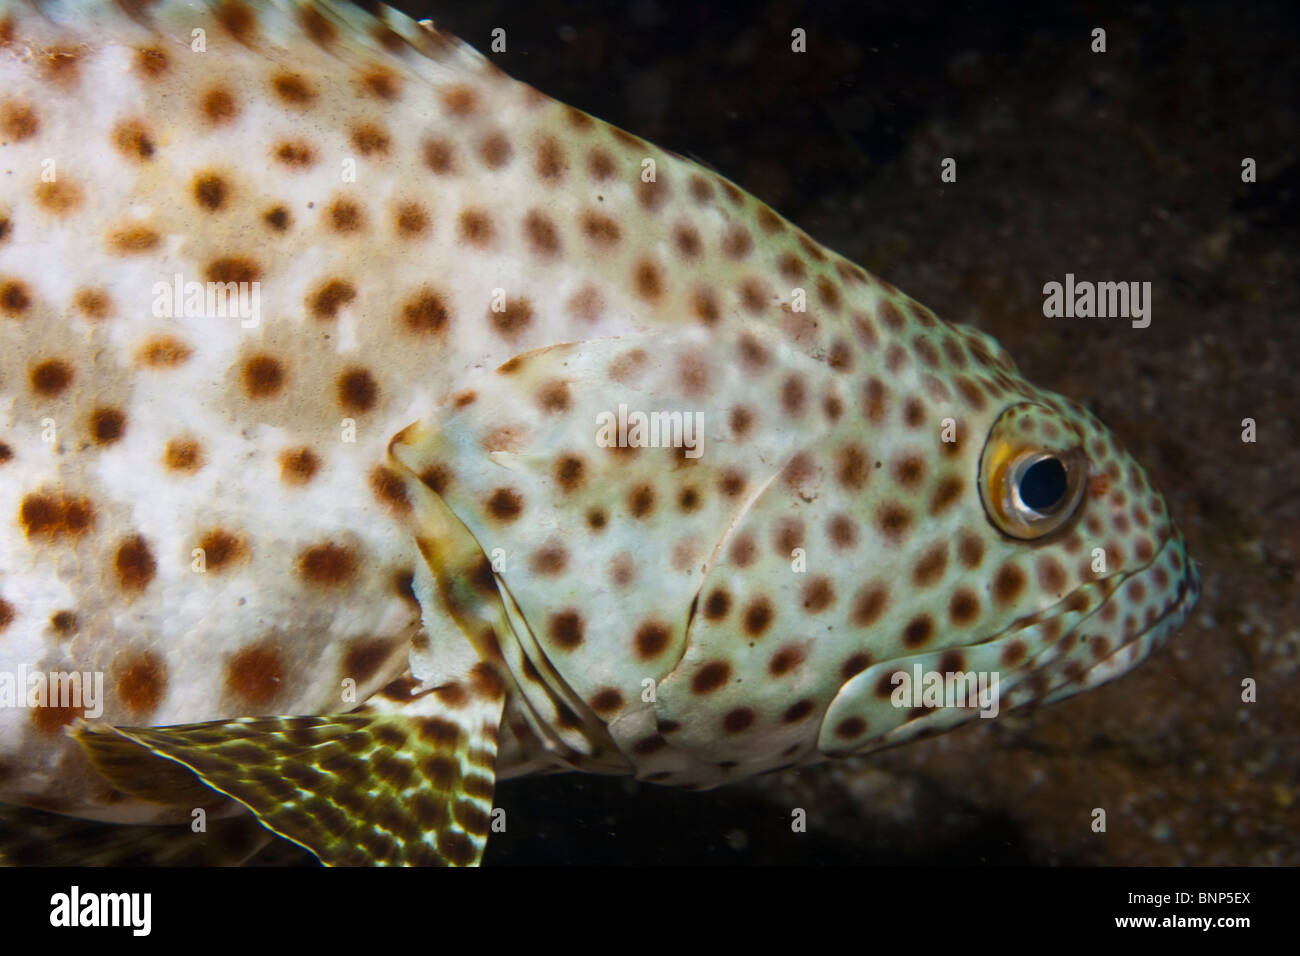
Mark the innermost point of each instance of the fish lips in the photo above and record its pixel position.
(1151, 603)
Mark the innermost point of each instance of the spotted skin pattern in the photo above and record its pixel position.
(301, 549)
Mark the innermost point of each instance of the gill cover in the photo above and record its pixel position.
(599, 550)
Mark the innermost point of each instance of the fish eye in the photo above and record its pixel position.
(1042, 483)
(1030, 491)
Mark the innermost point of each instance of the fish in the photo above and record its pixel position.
(376, 428)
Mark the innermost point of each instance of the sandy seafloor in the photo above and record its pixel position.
(1123, 166)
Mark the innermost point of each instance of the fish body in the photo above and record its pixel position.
(375, 427)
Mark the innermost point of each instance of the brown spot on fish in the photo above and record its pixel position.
(263, 376)
(476, 227)
(298, 466)
(931, 566)
(364, 657)
(541, 233)
(549, 560)
(381, 83)
(58, 198)
(357, 390)
(183, 454)
(494, 149)
(389, 489)
(211, 191)
(425, 313)
(219, 106)
(345, 216)
(135, 564)
(107, 425)
(164, 351)
(651, 639)
(599, 228)
(1008, 583)
(133, 140)
(295, 153)
(221, 549)
(869, 604)
(798, 711)
(277, 218)
(233, 269)
(326, 300)
(505, 504)
(710, 677)
(15, 300)
(411, 219)
(918, 631)
(970, 549)
(511, 322)
(293, 90)
(565, 629)
(893, 521)
(52, 718)
(51, 377)
(964, 607)
(141, 683)
(737, 242)
(842, 530)
(648, 280)
(328, 564)
(758, 616)
(786, 660)
(1013, 653)
(550, 163)
(238, 19)
(255, 675)
(63, 623)
(737, 720)
(554, 396)
(687, 239)
(641, 501)
(133, 240)
(460, 100)
(18, 121)
(569, 472)
(818, 595)
(855, 665)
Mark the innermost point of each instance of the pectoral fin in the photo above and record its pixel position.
(411, 786)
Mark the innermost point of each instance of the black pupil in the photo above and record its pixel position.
(1043, 485)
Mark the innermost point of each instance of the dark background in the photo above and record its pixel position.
(1122, 166)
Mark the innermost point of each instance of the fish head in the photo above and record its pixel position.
(901, 499)
(1036, 562)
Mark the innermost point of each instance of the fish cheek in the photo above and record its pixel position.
(598, 480)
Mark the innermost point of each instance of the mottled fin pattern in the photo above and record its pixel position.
(139, 773)
(366, 788)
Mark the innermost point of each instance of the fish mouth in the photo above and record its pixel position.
(1098, 632)
(1141, 611)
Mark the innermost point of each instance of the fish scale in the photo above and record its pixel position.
(344, 562)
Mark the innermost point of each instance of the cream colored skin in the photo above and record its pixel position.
(191, 628)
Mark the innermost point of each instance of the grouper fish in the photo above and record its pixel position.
(374, 427)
